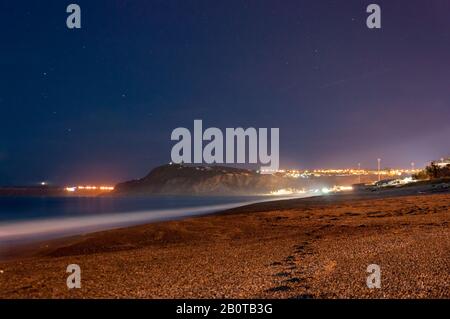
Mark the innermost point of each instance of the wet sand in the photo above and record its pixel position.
(307, 248)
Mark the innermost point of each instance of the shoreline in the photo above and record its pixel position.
(16, 249)
(17, 234)
(14, 246)
(314, 247)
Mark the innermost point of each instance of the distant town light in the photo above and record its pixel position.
(88, 188)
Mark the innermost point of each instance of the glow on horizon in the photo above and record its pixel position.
(89, 188)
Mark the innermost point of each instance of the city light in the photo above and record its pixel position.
(324, 190)
(293, 173)
(287, 191)
(73, 189)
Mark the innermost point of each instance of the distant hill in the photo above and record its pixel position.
(177, 179)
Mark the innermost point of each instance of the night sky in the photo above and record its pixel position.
(98, 104)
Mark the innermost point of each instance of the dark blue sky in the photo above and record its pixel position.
(99, 104)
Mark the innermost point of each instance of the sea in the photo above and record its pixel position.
(28, 219)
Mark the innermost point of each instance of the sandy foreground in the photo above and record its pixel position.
(308, 248)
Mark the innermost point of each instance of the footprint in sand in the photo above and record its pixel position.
(279, 288)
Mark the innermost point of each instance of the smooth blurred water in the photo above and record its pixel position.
(33, 208)
(24, 219)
